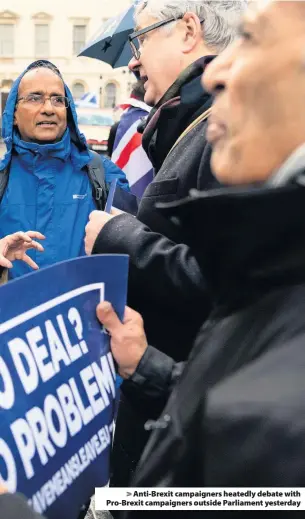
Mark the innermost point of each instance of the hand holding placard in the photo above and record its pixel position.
(57, 381)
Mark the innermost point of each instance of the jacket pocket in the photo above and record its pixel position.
(162, 188)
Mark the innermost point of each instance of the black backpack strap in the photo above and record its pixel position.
(4, 174)
(96, 174)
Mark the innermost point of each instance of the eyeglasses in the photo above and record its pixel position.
(134, 41)
(40, 99)
(135, 45)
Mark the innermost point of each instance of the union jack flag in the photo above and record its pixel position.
(128, 153)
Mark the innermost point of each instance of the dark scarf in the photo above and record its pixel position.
(183, 102)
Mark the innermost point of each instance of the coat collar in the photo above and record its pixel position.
(60, 149)
(291, 167)
(246, 241)
(184, 101)
(64, 150)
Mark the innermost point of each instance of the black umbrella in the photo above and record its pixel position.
(111, 45)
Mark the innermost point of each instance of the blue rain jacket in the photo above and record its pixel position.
(48, 188)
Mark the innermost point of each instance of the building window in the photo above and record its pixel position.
(7, 40)
(42, 37)
(110, 95)
(78, 90)
(79, 38)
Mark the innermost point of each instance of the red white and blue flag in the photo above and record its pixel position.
(128, 153)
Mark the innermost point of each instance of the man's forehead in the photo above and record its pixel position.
(264, 12)
(40, 78)
(144, 20)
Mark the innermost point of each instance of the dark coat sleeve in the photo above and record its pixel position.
(155, 257)
(14, 506)
(151, 384)
(150, 255)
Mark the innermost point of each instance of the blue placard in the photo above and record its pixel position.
(57, 382)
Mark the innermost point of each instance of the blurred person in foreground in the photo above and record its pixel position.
(128, 153)
(174, 40)
(235, 413)
(14, 506)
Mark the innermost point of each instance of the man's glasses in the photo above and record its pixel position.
(134, 38)
(40, 99)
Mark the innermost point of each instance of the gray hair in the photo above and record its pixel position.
(220, 17)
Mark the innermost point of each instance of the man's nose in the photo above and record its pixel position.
(211, 78)
(47, 106)
(217, 72)
(134, 64)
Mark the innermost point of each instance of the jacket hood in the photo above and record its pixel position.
(8, 117)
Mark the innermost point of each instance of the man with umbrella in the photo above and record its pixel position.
(173, 43)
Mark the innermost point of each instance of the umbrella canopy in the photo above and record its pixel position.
(111, 45)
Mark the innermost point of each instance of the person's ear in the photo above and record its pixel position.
(192, 32)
